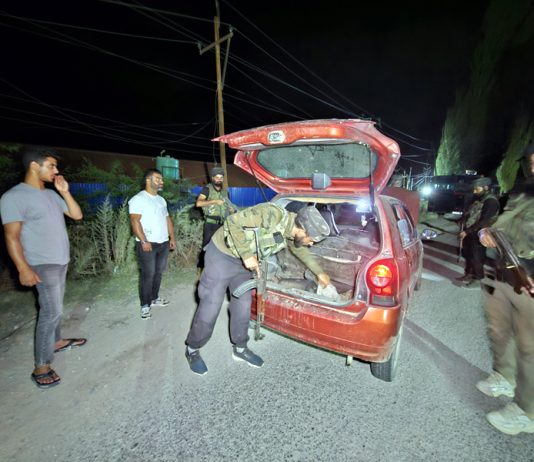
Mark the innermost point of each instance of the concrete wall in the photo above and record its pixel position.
(195, 171)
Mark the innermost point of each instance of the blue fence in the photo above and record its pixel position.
(242, 197)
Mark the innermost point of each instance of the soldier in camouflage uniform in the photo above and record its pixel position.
(511, 315)
(481, 213)
(231, 256)
(216, 206)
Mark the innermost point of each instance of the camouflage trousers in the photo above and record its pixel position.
(511, 333)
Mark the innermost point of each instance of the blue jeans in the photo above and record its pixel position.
(51, 290)
(152, 264)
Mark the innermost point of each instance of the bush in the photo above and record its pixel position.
(188, 232)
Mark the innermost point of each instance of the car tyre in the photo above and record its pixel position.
(386, 371)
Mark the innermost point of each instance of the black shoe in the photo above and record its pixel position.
(466, 278)
(473, 284)
(248, 356)
(196, 363)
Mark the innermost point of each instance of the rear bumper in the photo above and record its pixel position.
(364, 332)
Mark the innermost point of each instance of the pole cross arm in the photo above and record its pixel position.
(218, 42)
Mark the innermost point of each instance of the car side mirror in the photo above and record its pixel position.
(320, 181)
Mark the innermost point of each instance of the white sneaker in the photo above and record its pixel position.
(145, 312)
(496, 385)
(159, 302)
(511, 420)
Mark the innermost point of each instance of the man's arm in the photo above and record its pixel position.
(310, 261)
(27, 276)
(73, 209)
(202, 201)
(137, 228)
(170, 229)
(488, 214)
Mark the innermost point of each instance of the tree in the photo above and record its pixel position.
(464, 129)
(521, 135)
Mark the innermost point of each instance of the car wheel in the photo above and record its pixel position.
(386, 371)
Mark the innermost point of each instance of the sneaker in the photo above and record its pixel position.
(196, 363)
(159, 302)
(496, 385)
(248, 356)
(511, 419)
(145, 312)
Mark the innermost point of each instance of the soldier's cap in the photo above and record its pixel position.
(311, 221)
(484, 181)
(217, 171)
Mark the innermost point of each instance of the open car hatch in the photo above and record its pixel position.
(338, 157)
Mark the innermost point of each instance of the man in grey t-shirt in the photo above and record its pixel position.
(37, 242)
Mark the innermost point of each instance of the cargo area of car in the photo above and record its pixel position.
(353, 240)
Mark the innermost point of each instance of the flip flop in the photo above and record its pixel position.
(71, 343)
(37, 377)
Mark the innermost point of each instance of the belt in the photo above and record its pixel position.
(214, 220)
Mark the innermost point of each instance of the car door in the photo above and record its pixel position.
(411, 244)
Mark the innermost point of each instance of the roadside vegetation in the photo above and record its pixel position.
(102, 245)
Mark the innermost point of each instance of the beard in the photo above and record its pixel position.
(218, 184)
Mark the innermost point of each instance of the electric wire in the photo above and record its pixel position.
(101, 31)
(314, 74)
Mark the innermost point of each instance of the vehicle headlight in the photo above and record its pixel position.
(426, 191)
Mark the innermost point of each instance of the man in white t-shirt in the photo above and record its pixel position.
(154, 235)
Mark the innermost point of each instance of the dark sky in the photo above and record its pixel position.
(399, 62)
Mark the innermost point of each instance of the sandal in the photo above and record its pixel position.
(71, 343)
(37, 379)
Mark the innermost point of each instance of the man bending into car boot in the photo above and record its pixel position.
(231, 257)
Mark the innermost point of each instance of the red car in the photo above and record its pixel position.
(373, 254)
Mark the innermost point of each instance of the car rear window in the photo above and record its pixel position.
(340, 160)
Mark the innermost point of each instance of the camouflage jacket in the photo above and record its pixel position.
(517, 223)
(268, 218)
(217, 211)
(481, 213)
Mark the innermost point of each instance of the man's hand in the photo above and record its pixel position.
(462, 235)
(486, 239)
(531, 290)
(323, 279)
(29, 278)
(218, 201)
(172, 244)
(61, 184)
(146, 246)
(251, 263)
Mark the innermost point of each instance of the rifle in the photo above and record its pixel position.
(461, 244)
(510, 259)
(260, 283)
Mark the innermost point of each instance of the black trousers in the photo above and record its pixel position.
(152, 264)
(475, 254)
(222, 272)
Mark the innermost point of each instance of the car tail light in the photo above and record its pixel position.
(382, 280)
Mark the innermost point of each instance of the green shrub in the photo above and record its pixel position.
(188, 232)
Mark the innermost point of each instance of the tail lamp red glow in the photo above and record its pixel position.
(382, 280)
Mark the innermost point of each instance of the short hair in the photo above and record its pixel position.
(148, 173)
(37, 154)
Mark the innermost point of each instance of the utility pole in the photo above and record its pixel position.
(220, 83)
